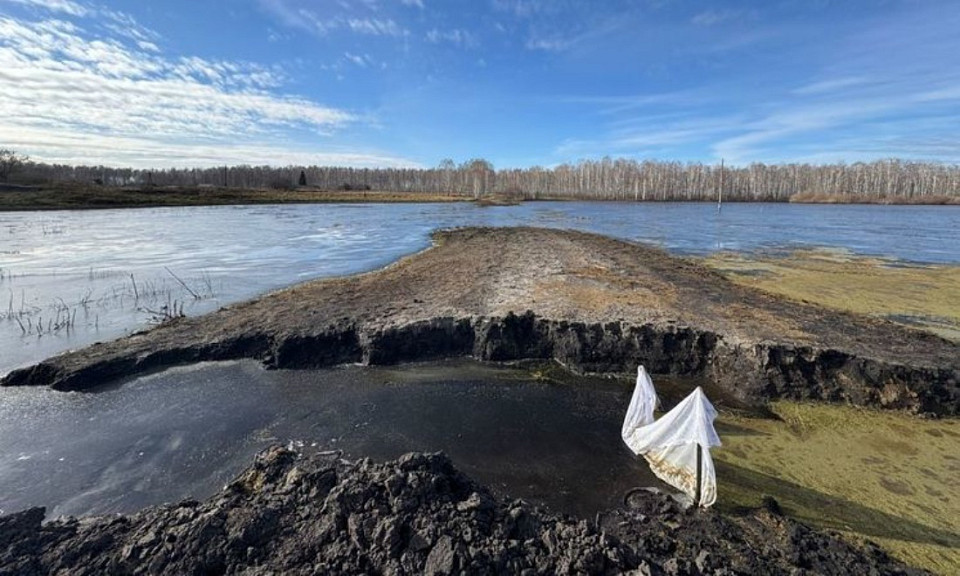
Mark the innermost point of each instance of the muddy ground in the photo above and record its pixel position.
(289, 514)
(592, 303)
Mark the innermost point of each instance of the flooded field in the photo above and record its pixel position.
(71, 278)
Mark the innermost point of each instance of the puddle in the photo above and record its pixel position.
(187, 431)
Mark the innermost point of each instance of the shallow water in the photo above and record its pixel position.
(104, 273)
(185, 432)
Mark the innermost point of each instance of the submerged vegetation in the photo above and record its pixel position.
(160, 299)
(884, 181)
(882, 476)
(923, 296)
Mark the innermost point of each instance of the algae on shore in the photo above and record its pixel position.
(887, 477)
(921, 296)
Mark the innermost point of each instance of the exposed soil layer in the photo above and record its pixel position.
(593, 303)
(289, 514)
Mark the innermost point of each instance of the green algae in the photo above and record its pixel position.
(887, 477)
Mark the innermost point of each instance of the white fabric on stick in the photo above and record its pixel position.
(670, 443)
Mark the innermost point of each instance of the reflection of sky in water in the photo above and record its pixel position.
(186, 431)
(242, 251)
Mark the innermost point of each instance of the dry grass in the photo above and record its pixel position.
(882, 476)
(600, 292)
(823, 198)
(919, 296)
(81, 196)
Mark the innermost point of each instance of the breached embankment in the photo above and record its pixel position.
(592, 303)
(290, 514)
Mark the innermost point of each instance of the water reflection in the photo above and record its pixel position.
(186, 431)
(111, 271)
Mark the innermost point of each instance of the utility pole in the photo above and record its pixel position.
(720, 191)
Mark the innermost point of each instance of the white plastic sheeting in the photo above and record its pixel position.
(670, 443)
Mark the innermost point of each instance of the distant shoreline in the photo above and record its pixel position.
(19, 199)
(91, 197)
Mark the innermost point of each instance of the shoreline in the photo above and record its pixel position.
(105, 198)
(72, 196)
(589, 302)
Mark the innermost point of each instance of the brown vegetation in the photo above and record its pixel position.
(83, 196)
(825, 198)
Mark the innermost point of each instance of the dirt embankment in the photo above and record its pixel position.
(418, 515)
(593, 303)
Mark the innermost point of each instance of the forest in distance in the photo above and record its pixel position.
(883, 181)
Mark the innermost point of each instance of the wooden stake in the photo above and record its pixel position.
(699, 495)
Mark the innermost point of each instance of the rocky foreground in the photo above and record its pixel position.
(292, 514)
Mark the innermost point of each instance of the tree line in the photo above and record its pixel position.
(605, 179)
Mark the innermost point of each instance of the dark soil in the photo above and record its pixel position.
(592, 303)
(291, 514)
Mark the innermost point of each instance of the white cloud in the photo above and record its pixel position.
(374, 27)
(361, 60)
(414, 3)
(71, 95)
(714, 17)
(521, 8)
(77, 147)
(301, 16)
(832, 85)
(548, 44)
(65, 6)
(456, 36)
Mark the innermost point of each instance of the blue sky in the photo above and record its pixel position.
(518, 82)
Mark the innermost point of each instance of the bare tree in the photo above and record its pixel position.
(604, 179)
(10, 162)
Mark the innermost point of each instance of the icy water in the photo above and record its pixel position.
(185, 432)
(71, 278)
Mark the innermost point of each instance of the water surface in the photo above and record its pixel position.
(95, 275)
(185, 432)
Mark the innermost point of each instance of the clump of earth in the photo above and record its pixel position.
(315, 514)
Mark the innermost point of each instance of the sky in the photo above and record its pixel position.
(396, 83)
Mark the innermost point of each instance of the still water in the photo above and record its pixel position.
(71, 278)
(187, 431)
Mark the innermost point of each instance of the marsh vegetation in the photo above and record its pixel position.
(882, 182)
(917, 295)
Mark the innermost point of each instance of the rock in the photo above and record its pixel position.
(441, 561)
(475, 501)
(702, 560)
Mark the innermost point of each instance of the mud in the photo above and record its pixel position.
(592, 303)
(318, 514)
